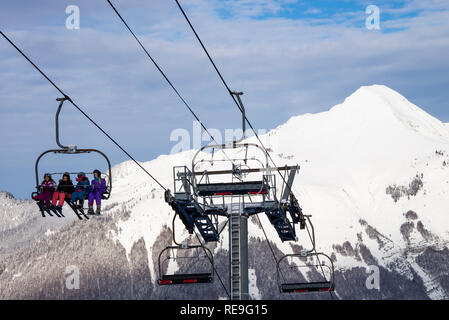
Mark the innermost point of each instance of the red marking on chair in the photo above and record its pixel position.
(190, 280)
(258, 192)
(165, 281)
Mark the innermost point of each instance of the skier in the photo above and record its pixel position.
(65, 187)
(81, 189)
(98, 186)
(46, 189)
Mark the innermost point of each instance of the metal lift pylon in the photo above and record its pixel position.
(238, 237)
(201, 196)
(238, 251)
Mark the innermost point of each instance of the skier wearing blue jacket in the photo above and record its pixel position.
(81, 189)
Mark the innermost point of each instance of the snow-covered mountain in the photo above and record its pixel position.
(20, 226)
(374, 176)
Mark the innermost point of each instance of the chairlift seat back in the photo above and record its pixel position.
(323, 286)
(232, 188)
(185, 278)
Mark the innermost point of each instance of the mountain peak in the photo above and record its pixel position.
(385, 107)
(378, 89)
(6, 195)
(378, 97)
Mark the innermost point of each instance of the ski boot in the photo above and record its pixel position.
(98, 212)
(80, 204)
(42, 208)
(47, 208)
(90, 210)
(57, 210)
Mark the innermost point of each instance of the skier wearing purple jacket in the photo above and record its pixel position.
(98, 186)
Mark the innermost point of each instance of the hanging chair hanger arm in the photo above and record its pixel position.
(61, 102)
(312, 236)
(238, 94)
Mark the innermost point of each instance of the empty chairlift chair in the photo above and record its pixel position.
(326, 285)
(170, 253)
(183, 252)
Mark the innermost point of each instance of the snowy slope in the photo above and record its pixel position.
(21, 225)
(374, 176)
(349, 155)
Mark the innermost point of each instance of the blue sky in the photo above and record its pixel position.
(343, 11)
(289, 57)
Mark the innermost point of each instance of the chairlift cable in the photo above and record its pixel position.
(163, 74)
(81, 110)
(268, 241)
(185, 103)
(233, 98)
(319, 262)
(213, 265)
(226, 85)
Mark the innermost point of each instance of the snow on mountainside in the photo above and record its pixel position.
(374, 176)
(20, 225)
(22, 211)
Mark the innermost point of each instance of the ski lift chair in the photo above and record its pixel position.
(325, 285)
(305, 287)
(184, 278)
(66, 150)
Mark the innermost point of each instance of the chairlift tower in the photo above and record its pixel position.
(238, 251)
(202, 194)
